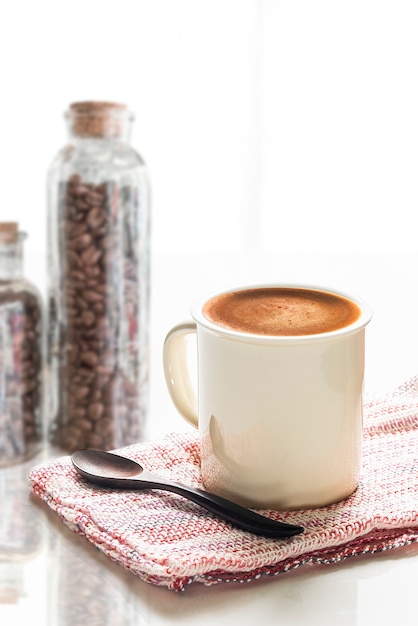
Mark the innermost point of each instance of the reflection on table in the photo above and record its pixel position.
(21, 536)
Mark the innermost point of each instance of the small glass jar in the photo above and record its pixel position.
(98, 199)
(21, 423)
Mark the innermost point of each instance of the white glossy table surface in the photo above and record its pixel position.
(52, 577)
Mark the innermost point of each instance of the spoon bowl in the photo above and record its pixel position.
(112, 470)
(105, 465)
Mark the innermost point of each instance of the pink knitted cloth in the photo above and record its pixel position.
(166, 540)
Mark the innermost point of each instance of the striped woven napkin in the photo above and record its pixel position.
(166, 540)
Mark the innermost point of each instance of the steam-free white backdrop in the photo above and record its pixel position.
(281, 139)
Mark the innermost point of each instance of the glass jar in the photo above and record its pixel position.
(21, 431)
(98, 361)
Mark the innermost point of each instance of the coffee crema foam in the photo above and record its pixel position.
(284, 311)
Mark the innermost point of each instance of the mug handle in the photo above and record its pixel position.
(176, 372)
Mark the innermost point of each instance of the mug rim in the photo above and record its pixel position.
(366, 314)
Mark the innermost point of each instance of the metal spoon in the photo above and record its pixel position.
(111, 470)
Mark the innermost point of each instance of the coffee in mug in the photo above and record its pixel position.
(279, 401)
(281, 311)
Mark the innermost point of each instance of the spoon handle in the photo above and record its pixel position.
(236, 514)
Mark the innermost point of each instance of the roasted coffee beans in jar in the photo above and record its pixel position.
(98, 335)
(21, 419)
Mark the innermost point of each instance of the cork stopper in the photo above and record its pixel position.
(9, 232)
(97, 119)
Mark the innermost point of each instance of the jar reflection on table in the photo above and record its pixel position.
(83, 591)
(21, 534)
(98, 266)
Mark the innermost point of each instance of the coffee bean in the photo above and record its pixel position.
(101, 232)
(81, 392)
(90, 255)
(81, 204)
(107, 242)
(81, 303)
(79, 190)
(27, 369)
(98, 307)
(92, 296)
(76, 275)
(81, 241)
(27, 385)
(104, 371)
(95, 218)
(95, 440)
(83, 425)
(76, 229)
(73, 259)
(88, 318)
(95, 197)
(92, 272)
(89, 358)
(85, 375)
(78, 413)
(95, 410)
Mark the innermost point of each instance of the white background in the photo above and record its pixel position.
(281, 139)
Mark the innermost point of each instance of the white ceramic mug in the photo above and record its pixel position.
(280, 417)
